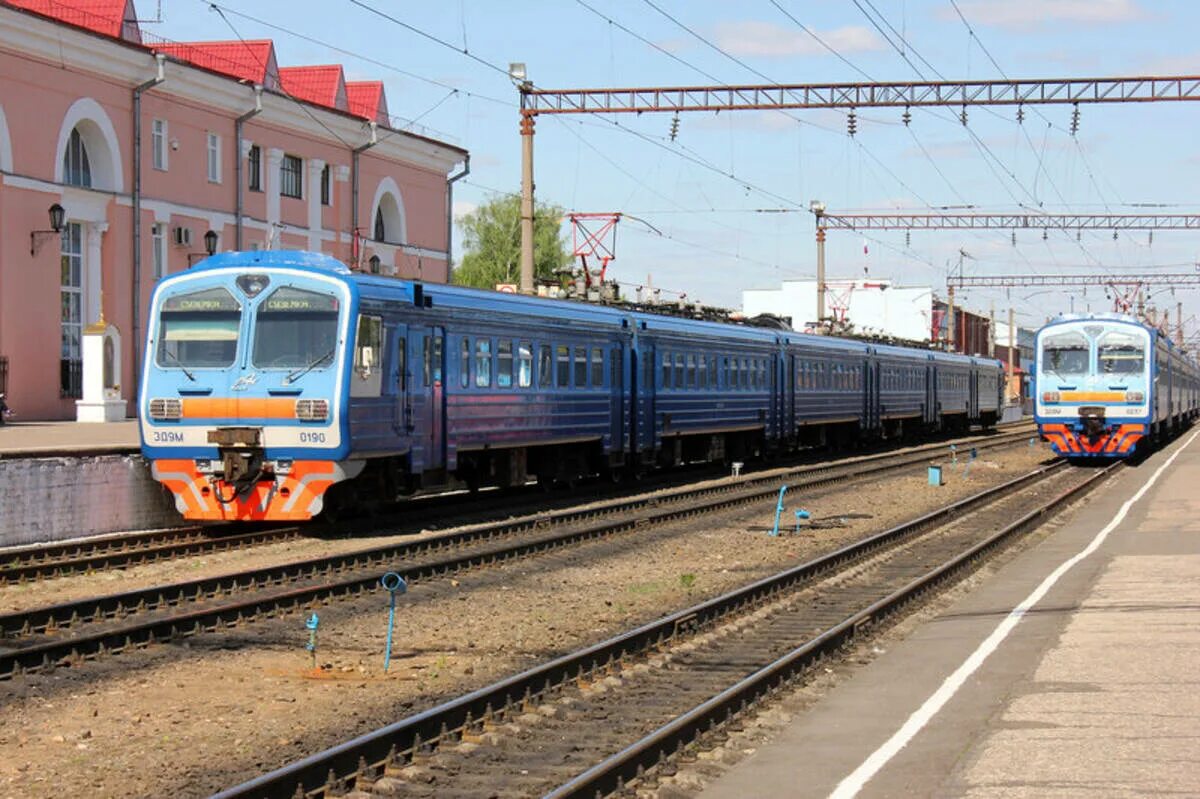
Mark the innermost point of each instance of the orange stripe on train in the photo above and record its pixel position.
(286, 498)
(239, 408)
(1092, 396)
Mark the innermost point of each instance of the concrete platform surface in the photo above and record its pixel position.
(40, 439)
(1091, 692)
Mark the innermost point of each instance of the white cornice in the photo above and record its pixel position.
(27, 34)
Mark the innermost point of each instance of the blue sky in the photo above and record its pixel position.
(704, 193)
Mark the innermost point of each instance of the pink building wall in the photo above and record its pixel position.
(55, 77)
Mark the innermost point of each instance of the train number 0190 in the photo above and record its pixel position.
(312, 438)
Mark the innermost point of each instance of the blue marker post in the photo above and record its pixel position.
(312, 624)
(393, 584)
(970, 461)
(954, 453)
(778, 510)
(801, 516)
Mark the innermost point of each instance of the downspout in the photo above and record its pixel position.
(136, 293)
(354, 188)
(450, 181)
(238, 124)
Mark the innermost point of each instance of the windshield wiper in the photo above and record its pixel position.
(303, 370)
(179, 363)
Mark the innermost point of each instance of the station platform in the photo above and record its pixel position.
(1070, 672)
(46, 439)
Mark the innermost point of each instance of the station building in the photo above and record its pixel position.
(125, 157)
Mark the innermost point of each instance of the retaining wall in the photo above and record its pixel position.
(50, 499)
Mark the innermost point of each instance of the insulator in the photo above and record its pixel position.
(906, 117)
(908, 238)
(1078, 235)
(851, 122)
(1014, 238)
(1114, 235)
(1150, 242)
(1020, 114)
(1075, 120)
(675, 126)
(962, 116)
(1045, 234)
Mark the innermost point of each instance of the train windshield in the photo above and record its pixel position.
(1065, 354)
(295, 329)
(1121, 353)
(199, 329)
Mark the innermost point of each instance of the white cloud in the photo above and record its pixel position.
(754, 38)
(463, 207)
(1029, 14)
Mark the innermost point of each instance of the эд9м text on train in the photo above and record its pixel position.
(279, 383)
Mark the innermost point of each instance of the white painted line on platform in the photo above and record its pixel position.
(852, 784)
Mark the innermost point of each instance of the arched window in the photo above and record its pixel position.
(77, 170)
(380, 227)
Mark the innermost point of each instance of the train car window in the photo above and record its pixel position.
(524, 364)
(199, 329)
(702, 371)
(464, 364)
(679, 371)
(297, 329)
(427, 355)
(563, 361)
(545, 366)
(581, 370)
(598, 367)
(402, 364)
(368, 357)
(504, 363)
(691, 370)
(483, 362)
(437, 359)
(1065, 354)
(666, 370)
(1121, 353)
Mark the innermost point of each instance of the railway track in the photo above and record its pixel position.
(73, 632)
(20, 565)
(615, 716)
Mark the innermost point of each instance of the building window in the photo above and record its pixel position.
(291, 180)
(71, 304)
(158, 244)
(380, 228)
(158, 143)
(214, 158)
(254, 167)
(77, 171)
(325, 185)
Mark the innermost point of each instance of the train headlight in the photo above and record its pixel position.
(1134, 397)
(312, 410)
(166, 409)
(1050, 396)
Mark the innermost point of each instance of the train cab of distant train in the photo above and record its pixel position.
(1095, 384)
(244, 378)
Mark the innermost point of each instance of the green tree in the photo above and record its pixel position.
(492, 243)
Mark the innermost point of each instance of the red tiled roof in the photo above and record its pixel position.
(365, 98)
(324, 85)
(252, 60)
(115, 18)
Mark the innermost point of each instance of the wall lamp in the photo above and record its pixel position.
(373, 263)
(36, 237)
(210, 247)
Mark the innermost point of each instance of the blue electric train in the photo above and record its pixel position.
(276, 383)
(1103, 383)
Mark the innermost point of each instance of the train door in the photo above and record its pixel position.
(426, 396)
(617, 395)
(401, 377)
(874, 411)
(788, 433)
(973, 397)
(643, 414)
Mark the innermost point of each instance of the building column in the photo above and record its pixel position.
(93, 288)
(274, 162)
(315, 167)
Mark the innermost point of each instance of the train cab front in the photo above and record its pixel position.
(241, 392)
(1092, 378)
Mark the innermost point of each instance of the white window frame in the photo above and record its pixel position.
(158, 244)
(214, 157)
(158, 144)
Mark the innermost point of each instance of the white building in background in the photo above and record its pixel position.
(873, 306)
